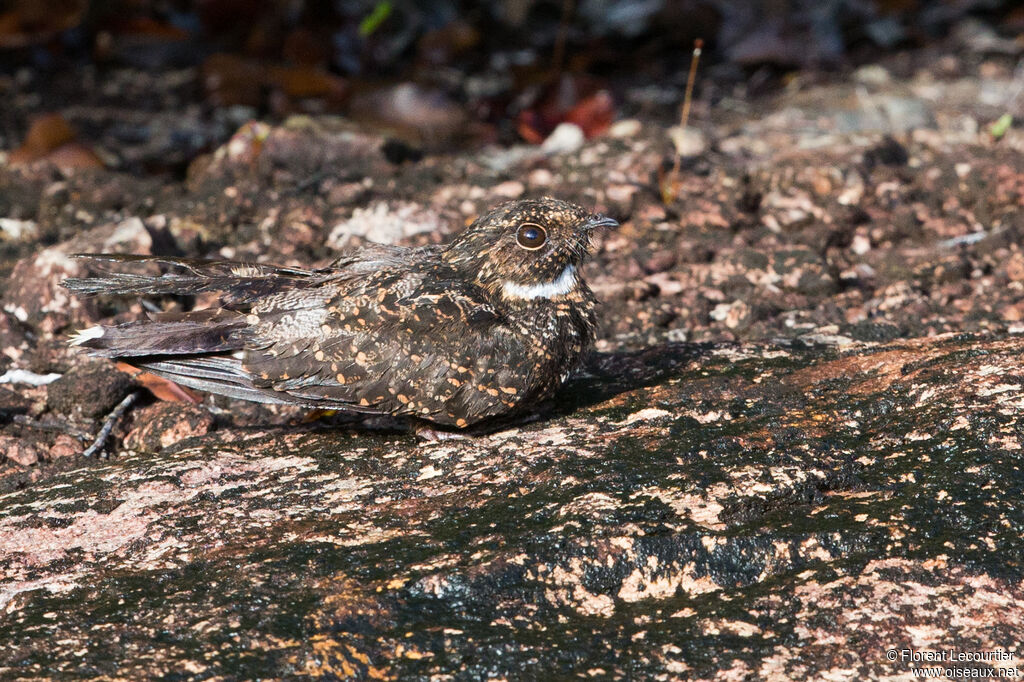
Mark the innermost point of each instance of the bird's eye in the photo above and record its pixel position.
(531, 236)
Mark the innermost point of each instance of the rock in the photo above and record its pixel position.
(35, 296)
(628, 127)
(12, 403)
(64, 446)
(732, 315)
(91, 390)
(510, 189)
(18, 230)
(676, 482)
(19, 451)
(161, 425)
(564, 139)
(386, 223)
(872, 74)
(687, 141)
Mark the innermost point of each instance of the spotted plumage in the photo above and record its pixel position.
(485, 326)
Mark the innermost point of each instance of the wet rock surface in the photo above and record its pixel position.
(797, 447)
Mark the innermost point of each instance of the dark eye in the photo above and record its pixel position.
(531, 236)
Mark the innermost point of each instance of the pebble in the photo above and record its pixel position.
(510, 189)
(872, 74)
(627, 127)
(540, 177)
(860, 244)
(564, 139)
(19, 451)
(732, 314)
(687, 141)
(90, 389)
(65, 446)
(163, 424)
(18, 230)
(621, 193)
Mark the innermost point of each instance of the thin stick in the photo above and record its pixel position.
(108, 426)
(669, 191)
(51, 427)
(558, 54)
(684, 117)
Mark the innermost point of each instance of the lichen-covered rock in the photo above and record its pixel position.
(34, 295)
(91, 390)
(166, 423)
(702, 511)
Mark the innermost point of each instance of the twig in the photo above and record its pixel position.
(108, 426)
(668, 190)
(558, 54)
(51, 427)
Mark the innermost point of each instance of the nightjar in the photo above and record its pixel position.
(487, 325)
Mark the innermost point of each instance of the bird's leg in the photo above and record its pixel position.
(428, 433)
(110, 423)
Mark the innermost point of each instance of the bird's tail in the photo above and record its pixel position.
(199, 332)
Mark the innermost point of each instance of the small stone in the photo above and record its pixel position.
(65, 446)
(687, 141)
(1015, 267)
(89, 390)
(19, 451)
(628, 127)
(386, 223)
(18, 230)
(564, 139)
(660, 261)
(860, 244)
(667, 284)
(164, 424)
(622, 194)
(872, 74)
(511, 189)
(732, 314)
(540, 177)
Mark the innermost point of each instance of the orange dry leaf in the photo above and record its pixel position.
(593, 114)
(46, 133)
(570, 99)
(51, 138)
(163, 389)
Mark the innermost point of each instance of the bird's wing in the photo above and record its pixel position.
(395, 341)
(242, 284)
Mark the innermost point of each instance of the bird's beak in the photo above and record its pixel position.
(598, 220)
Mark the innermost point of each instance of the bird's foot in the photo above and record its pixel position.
(429, 434)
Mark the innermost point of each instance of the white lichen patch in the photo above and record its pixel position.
(385, 223)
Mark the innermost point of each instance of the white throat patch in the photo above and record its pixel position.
(562, 285)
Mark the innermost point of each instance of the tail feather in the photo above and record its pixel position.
(202, 332)
(220, 375)
(228, 376)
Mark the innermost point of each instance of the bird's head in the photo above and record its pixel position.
(527, 249)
